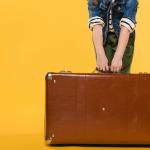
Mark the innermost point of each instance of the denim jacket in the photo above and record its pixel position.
(123, 14)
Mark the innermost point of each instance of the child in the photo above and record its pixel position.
(113, 23)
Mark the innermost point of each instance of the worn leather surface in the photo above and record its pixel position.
(90, 108)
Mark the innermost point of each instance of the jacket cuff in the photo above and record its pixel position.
(128, 23)
(95, 20)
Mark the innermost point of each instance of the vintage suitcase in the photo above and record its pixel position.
(95, 108)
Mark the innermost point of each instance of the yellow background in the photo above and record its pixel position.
(37, 36)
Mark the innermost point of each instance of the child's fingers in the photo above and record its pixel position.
(111, 68)
(103, 68)
(107, 68)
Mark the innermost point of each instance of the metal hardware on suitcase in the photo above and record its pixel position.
(94, 108)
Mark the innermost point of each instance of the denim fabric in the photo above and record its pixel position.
(123, 12)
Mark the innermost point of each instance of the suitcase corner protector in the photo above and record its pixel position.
(48, 76)
(48, 141)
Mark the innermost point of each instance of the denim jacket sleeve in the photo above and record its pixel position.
(94, 14)
(129, 18)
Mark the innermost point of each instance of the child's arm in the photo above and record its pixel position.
(116, 64)
(97, 34)
(96, 23)
(127, 24)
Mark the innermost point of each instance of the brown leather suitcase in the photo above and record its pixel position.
(94, 108)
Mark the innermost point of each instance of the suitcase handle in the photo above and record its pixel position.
(99, 71)
(95, 69)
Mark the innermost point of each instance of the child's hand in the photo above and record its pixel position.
(116, 64)
(102, 63)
